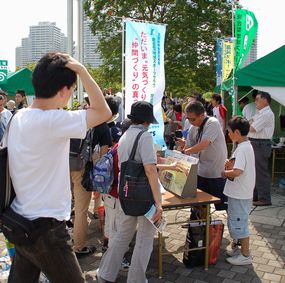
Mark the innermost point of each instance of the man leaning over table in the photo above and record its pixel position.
(206, 139)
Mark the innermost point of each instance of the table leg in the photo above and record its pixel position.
(160, 246)
(207, 236)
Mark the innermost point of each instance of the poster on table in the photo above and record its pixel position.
(181, 182)
(144, 70)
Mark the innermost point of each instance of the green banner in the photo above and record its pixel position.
(3, 71)
(245, 31)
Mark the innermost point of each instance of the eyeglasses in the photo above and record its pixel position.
(191, 119)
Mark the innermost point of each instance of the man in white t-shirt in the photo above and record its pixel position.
(38, 143)
(239, 190)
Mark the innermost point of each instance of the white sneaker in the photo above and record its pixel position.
(239, 259)
(232, 251)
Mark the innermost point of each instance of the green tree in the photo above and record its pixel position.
(192, 29)
(31, 66)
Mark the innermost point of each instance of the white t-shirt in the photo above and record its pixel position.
(5, 116)
(242, 187)
(38, 144)
(216, 114)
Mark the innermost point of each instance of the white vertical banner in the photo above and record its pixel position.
(144, 70)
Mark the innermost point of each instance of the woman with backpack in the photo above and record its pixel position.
(141, 117)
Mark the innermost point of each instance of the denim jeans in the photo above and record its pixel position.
(51, 254)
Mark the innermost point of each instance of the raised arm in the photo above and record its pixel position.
(98, 112)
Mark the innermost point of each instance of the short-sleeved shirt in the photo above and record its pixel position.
(145, 151)
(220, 113)
(212, 159)
(263, 123)
(242, 187)
(38, 143)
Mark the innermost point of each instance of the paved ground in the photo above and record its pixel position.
(267, 246)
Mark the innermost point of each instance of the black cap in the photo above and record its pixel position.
(142, 110)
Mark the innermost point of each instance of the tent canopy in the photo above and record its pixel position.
(267, 71)
(265, 74)
(21, 79)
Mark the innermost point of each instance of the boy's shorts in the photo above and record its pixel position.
(238, 216)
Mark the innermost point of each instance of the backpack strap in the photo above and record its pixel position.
(133, 152)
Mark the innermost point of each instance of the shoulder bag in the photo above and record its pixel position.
(135, 193)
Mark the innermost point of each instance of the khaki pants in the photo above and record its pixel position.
(81, 205)
(111, 261)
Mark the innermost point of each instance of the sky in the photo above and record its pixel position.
(18, 15)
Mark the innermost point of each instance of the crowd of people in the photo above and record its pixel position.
(42, 136)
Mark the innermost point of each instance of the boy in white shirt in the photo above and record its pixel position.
(240, 174)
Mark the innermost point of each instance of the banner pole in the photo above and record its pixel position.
(234, 88)
(123, 67)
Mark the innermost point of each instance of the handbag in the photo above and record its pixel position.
(135, 193)
(75, 162)
(86, 181)
(196, 238)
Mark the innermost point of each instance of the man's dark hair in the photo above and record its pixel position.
(177, 108)
(244, 100)
(239, 123)
(138, 121)
(51, 75)
(197, 96)
(113, 104)
(265, 95)
(217, 98)
(2, 92)
(22, 92)
(195, 107)
(254, 94)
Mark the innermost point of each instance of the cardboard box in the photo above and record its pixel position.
(182, 184)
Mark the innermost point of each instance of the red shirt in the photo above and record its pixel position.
(178, 118)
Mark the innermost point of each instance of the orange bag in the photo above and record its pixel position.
(196, 237)
(216, 235)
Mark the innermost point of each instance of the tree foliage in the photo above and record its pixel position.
(192, 29)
